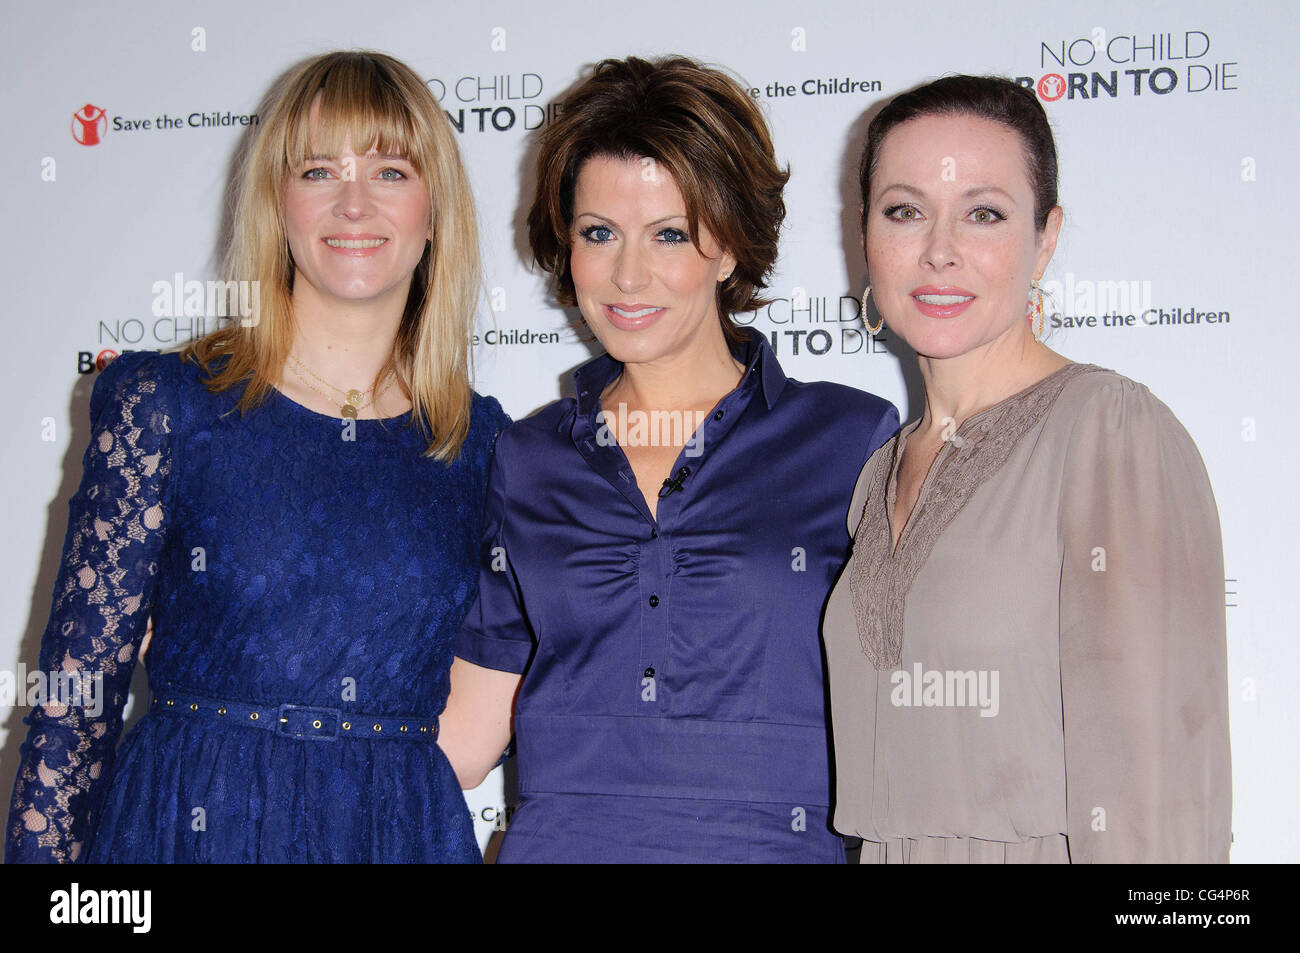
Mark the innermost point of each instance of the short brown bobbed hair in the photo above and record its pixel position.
(987, 97)
(699, 124)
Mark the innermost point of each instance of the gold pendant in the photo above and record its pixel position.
(354, 398)
(348, 411)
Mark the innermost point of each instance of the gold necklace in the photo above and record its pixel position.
(352, 402)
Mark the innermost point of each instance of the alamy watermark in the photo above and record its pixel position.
(179, 298)
(81, 906)
(947, 688)
(1079, 297)
(39, 688)
(655, 428)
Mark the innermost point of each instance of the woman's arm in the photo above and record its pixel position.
(474, 729)
(102, 602)
(493, 646)
(1143, 639)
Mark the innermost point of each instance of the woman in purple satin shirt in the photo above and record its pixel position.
(659, 547)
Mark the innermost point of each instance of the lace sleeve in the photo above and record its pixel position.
(102, 601)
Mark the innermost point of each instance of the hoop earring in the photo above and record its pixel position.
(1036, 310)
(879, 324)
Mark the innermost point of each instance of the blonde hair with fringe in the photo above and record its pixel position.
(378, 100)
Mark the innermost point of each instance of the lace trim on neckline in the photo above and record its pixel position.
(880, 578)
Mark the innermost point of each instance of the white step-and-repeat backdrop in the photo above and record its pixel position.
(1178, 144)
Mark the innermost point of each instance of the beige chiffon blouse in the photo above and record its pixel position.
(1038, 673)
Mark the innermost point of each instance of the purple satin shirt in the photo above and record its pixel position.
(673, 702)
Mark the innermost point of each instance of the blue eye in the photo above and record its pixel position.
(597, 234)
(673, 236)
(311, 174)
(399, 175)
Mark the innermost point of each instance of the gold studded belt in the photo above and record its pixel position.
(307, 722)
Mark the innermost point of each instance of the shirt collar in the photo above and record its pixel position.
(591, 379)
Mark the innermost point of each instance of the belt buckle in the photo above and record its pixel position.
(308, 722)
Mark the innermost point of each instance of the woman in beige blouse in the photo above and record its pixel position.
(1027, 648)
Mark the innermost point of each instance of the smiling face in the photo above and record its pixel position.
(950, 238)
(646, 291)
(357, 227)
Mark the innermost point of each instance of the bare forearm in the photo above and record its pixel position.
(475, 727)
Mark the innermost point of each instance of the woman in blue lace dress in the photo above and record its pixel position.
(296, 502)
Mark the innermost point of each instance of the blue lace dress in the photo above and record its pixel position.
(306, 580)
